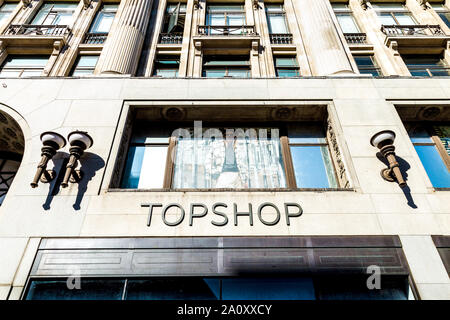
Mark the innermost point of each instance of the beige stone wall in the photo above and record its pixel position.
(359, 107)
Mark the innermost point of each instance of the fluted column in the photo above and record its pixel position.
(123, 47)
(325, 49)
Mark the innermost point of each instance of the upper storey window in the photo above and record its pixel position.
(432, 144)
(104, 19)
(393, 13)
(228, 157)
(55, 13)
(23, 66)
(276, 19)
(426, 65)
(345, 18)
(226, 66)
(5, 10)
(228, 19)
(173, 27)
(444, 13)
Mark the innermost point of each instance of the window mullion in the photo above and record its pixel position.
(288, 164)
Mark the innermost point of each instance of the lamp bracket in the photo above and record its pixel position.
(76, 176)
(48, 176)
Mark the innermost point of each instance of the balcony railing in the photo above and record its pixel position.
(38, 30)
(355, 38)
(95, 38)
(412, 30)
(226, 30)
(280, 38)
(171, 38)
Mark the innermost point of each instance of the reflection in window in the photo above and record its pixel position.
(55, 13)
(393, 13)
(426, 65)
(104, 19)
(367, 65)
(345, 18)
(226, 66)
(286, 66)
(432, 144)
(85, 65)
(228, 157)
(23, 66)
(166, 66)
(276, 19)
(5, 10)
(224, 288)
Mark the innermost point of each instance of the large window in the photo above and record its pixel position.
(432, 144)
(225, 18)
(55, 13)
(6, 9)
(232, 288)
(226, 66)
(345, 18)
(235, 157)
(23, 65)
(426, 65)
(9, 164)
(367, 65)
(393, 13)
(286, 66)
(166, 66)
(443, 12)
(276, 19)
(104, 19)
(85, 65)
(173, 25)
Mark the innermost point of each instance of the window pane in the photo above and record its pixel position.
(268, 289)
(313, 167)
(55, 13)
(174, 289)
(366, 65)
(238, 73)
(87, 61)
(286, 62)
(26, 61)
(443, 132)
(287, 73)
(249, 162)
(277, 23)
(305, 133)
(434, 165)
(5, 10)
(387, 19)
(214, 73)
(347, 23)
(106, 289)
(405, 19)
(145, 167)
(392, 6)
(103, 22)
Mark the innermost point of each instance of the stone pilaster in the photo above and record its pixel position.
(323, 44)
(124, 44)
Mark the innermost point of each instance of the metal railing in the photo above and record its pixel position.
(95, 37)
(226, 30)
(412, 30)
(281, 38)
(356, 38)
(171, 38)
(37, 30)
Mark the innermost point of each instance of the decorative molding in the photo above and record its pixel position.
(86, 3)
(255, 4)
(364, 4)
(196, 4)
(424, 4)
(337, 156)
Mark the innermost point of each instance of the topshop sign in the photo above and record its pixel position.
(268, 213)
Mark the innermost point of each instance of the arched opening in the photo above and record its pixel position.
(11, 152)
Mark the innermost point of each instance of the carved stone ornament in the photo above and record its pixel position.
(364, 4)
(336, 155)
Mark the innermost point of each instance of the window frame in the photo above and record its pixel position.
(77, 60)
(285, 146)
(376, 67)
(405, 10)
(435, 140)
(294, 68)
(55, 12)
(103, 12)
(225, 13)
(24, 69)
(281, 12)
(428, 70)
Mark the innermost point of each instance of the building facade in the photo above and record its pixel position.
(236, 149)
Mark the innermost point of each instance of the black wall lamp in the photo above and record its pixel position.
(52, 142)
(79, 142)
(384, 140)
